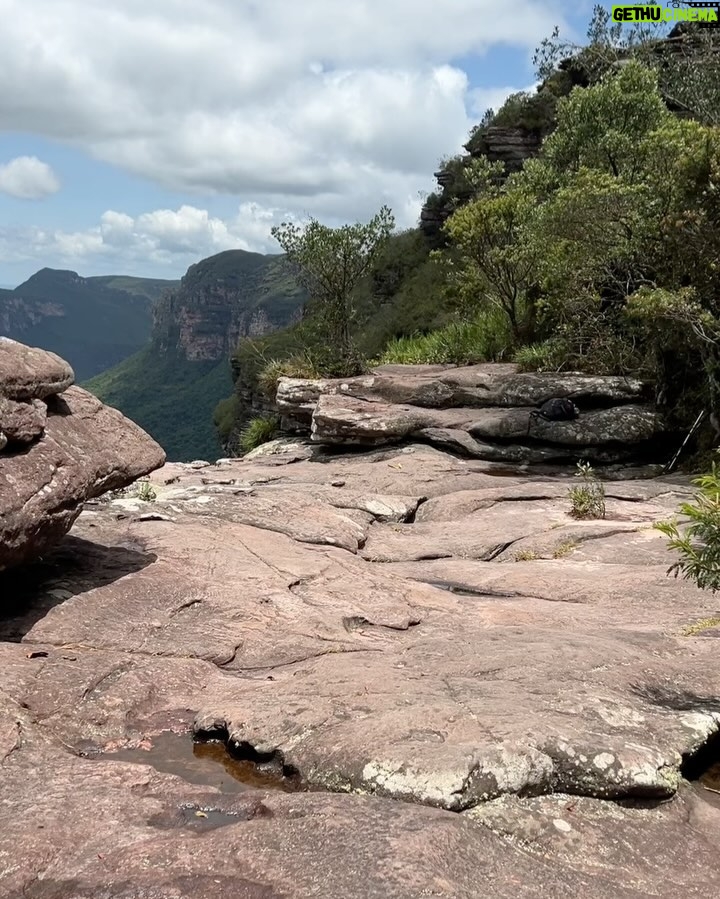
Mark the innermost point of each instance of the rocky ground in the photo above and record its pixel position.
(463, 691)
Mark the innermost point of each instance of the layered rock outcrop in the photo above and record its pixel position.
(486, 411)
(59, 446)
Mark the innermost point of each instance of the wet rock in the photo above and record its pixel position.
(315, 628)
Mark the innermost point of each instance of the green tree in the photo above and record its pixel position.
(329, 263)
(491, 266)
(686, 59)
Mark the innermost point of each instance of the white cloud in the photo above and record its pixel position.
(27, 178)
(164, 237)
(238, 96)
(322, 108)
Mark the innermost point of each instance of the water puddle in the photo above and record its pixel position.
(703, 770)
(208, 763)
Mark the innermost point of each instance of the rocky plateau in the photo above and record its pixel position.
(445, 685)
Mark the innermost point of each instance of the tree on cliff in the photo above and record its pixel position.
(612, 236)
(329, 263)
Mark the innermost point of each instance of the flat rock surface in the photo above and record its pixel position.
(484, 696)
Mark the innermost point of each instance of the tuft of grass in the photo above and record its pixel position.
(294, 367)
(692, 630)
(587, 500)
(258, 431)
(483, 339)
(527, 555)
(564, 549)
(146, 492)
(547, 356)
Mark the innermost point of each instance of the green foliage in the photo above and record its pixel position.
(146, 492)
(225, 416)
(699, 542)
(531, 112)
(483, 339)
(170, 397)
(587, 500)
(687, 62)
(549, 355)
(258, 431)
(493, 266)
(329, 263)
(294, 367)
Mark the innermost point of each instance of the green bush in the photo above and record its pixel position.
(258, 431)
(699, 544)
(484, 339)
(587, 500)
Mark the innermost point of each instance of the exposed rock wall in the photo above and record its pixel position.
(486, 411)
(222, 299)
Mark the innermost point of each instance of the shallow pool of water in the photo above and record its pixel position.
(205, 762)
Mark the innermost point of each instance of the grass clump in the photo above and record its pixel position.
(699, 545)
(527, 555)
(146, 492)
(258, 431)
(483, 339)
(294, 367)
(587, 500)
(692, 630)
(564, 549)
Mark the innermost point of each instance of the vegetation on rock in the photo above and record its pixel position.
(329, 264)
(258, 431)
(587, 499)
(698, 544)
(591, 246)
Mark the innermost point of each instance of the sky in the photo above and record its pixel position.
(139, 137)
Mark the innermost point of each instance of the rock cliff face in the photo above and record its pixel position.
(171, 388)
(222, 299)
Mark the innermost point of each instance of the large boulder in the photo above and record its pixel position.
(59, 446)
(28, 373)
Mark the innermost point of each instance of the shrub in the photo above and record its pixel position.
(699, 545)
(587, 499)
(546, 356)
(258, 431)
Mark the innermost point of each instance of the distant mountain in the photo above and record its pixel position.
(94, 323)
(171, 387)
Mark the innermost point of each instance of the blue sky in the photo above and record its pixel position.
(139, 142)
